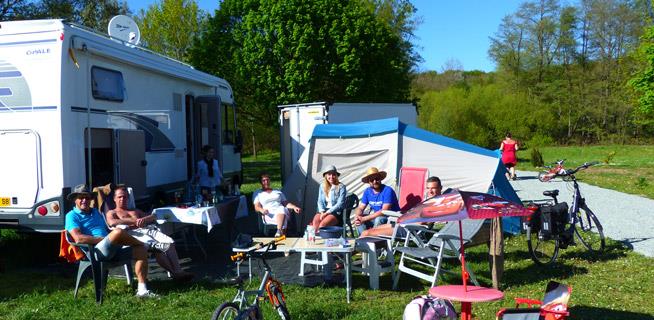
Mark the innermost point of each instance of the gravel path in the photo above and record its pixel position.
(625, 217)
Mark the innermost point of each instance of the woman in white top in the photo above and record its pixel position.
(208, 175)
(331, 200)
(272, 205)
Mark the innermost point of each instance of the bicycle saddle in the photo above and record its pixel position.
(551, 193)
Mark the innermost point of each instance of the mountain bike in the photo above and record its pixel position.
(552, 226)
(240, 307)
(552, 171)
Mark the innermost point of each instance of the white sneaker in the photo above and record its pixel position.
(147, 294)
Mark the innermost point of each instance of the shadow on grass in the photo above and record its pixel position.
(594, 313)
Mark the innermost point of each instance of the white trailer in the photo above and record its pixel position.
(298, 120)
(81, 107)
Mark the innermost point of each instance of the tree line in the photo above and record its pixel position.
(566, 74)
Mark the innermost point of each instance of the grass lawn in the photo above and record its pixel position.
(616, 284)
(625, 168)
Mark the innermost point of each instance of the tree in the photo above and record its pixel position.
(643, 81)
(94, 14)
(280, 52)
(170, 27)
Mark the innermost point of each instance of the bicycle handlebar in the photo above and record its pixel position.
(577, 169)
(268, 246)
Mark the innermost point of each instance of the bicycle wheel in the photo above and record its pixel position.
(543, 250)
(280, 303)
(227, 310)
(589, 230)
(543, 177)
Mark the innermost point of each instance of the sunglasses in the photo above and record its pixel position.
(84, 198)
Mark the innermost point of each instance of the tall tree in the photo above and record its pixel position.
(290, 51)
(643, 80)
(170, 27)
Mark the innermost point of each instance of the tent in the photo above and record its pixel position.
(389, 145)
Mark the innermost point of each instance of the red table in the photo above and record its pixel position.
(473, 294)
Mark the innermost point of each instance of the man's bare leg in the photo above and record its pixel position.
(381, 230)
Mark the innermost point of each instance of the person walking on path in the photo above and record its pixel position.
(509, 148)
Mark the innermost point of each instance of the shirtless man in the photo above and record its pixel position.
(433, 188)
(137, 219)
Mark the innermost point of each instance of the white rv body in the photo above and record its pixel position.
(148, 117)
(298, 120)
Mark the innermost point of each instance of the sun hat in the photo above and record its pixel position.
(371, 172)
(79, 190)
(331, 168)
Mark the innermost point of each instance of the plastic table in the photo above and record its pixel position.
(466, 297)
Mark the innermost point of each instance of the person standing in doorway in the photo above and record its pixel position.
(208, 172)
(509, 148)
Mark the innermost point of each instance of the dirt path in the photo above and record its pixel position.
(625, 217)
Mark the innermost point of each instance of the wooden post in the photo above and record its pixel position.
(496, 251)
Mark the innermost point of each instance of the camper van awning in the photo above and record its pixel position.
(356, 129)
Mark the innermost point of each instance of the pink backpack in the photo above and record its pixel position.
(429, 308)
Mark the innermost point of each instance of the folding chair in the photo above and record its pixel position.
(100, 269)
(553, 307)
(444, 243)
(412, 187)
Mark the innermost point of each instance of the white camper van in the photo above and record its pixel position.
(297, 121)
(81, 107)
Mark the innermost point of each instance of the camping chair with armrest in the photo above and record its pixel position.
(351, 203)
(553, 307)
(100, 269)
(442, 244)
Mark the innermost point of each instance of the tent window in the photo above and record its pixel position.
(107, 84)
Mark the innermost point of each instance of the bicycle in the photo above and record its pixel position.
(552, 171)
(547, 233)
(240, 308)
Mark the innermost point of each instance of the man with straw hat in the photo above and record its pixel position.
(379, 197)
(86, 225)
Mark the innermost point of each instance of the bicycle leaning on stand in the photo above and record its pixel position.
(553, 226)
(240, 307)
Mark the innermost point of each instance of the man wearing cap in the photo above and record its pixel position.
(86, 225)
(331, 200)
(379, 197)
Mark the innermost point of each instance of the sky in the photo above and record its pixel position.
(450, 30)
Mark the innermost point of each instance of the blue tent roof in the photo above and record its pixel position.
(356, 129)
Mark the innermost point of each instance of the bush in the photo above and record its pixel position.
(536, 157)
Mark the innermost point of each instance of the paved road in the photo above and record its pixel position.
(625, 217)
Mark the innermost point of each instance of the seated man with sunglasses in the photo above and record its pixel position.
(86, 225)
(379, 197)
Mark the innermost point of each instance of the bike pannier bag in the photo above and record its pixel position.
(554, 218)
(429, 308)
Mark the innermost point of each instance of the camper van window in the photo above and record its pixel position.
(229, 123)
(107, 84)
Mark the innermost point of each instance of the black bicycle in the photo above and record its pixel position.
(553, 226)
(243, 309)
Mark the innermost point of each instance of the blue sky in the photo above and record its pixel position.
(450, 29)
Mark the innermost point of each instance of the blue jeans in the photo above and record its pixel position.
(371, 224)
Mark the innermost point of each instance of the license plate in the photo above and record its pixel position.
(4, 202)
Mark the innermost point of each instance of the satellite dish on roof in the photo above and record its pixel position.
(124, 28)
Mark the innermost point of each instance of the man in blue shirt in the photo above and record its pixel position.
(379, 197)
(86, 225)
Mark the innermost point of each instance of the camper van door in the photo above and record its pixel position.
(130, 160)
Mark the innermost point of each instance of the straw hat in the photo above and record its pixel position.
(331, 168)
(372, 171)
(79, 190)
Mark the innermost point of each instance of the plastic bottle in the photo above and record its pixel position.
(214, 198)
(311, 234)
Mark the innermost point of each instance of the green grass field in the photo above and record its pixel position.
(624, 168)
(612, 285)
